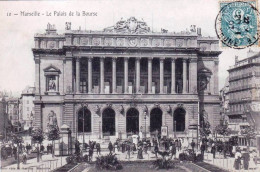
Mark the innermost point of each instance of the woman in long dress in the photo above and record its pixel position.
(252, 164)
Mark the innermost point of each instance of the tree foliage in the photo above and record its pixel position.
(248, 132)
(16, 138)
(223, 129)
(37, 135)
(205, 130)
(53, 133)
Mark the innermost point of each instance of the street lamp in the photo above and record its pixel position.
(145, 125)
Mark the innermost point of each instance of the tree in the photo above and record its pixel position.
(223, 129)
(249, 133)
(17, 140)
(205, 130)
(37, 136)
(53, 134)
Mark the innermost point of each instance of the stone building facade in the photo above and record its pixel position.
(27, 107)
(125, 79)
(244, 89)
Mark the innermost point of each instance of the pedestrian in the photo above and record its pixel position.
(156, 149)
(27, 148)
(192, 145)
(3, 153)
(98, 148)
(173, 150)
(24, 159)
(128, 151)
(202, 149)
(42, 149)
(90, 153)
(213, 150)
(179, 145)
(110, 147)
(15, 152)
(237, 163)
(246, 158)
(140, 152)
(252, 163)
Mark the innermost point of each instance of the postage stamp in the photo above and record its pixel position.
(237, 24)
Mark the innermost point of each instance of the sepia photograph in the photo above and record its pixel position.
(129, 86)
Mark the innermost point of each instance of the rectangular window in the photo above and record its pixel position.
(83, 86)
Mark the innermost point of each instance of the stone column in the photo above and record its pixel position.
(173, 76)
(77, 74)
(184, 62)
(161, 75)
(150, 66)
(126, 75)
(113, 75)
(193, 76)
(90, 75)
(37, 76)
(137, 67)
(102, 75)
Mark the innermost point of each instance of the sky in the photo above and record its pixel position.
(17, 32)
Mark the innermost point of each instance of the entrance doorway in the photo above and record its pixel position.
(108, 122)
(156, 120)
(179, 119)
(132, 121)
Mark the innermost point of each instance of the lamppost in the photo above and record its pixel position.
(83, 109)
(145, 115)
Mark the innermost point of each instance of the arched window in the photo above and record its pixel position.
(108, 122)
(156, 120)
(132, 121)
(179, 119)
(84, 120)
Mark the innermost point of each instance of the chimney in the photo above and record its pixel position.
(199, 31)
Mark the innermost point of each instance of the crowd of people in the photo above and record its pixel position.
(9, 150)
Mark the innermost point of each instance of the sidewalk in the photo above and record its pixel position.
(48, 163)
(225, 163)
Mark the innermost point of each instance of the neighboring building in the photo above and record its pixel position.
(128, 78)
(244, 92)
(13, 113)
(224, 97)
(3, 118)
(27, 111)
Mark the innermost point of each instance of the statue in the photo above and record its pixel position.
(203, 82)
(193, 28)
(52, 119)
(68, 25)
(52, 85)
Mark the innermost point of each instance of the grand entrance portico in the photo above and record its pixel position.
(131, 80)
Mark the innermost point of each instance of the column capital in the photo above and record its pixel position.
(138, 58)
(90, 59)
(173, 59)
(185, 59)
(162, 59)
(114, 58)
(78, 58)
(150, 58)
(193, 60)
(102, 57)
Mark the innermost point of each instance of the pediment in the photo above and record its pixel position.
(205, 71)
(51, 68)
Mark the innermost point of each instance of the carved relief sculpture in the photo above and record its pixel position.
(131, 25)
